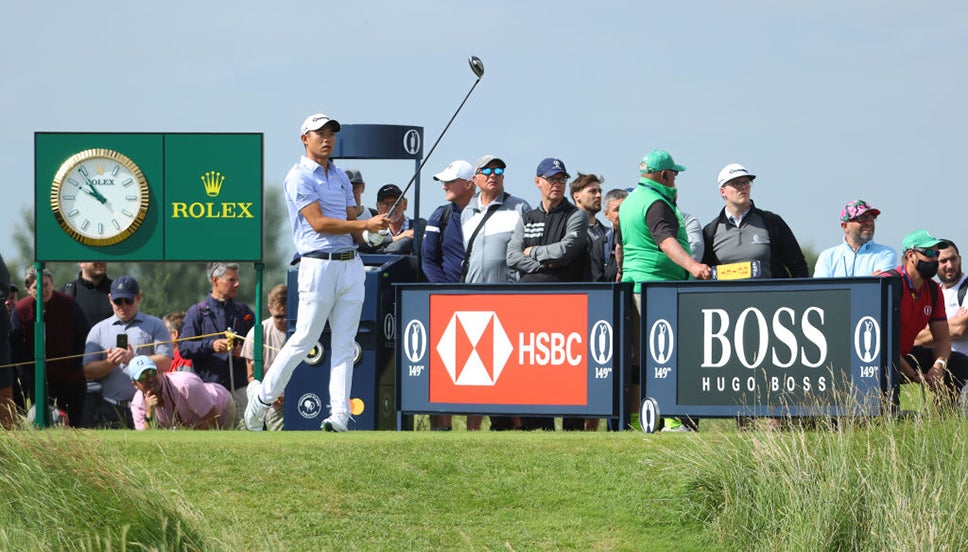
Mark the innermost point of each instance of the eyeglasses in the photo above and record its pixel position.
(930, 253)
(122, 301)
(146, 374)
(674, 173)
(279, 316)
(498, 171)
(864, 218)
(737, 183)
(557, 179)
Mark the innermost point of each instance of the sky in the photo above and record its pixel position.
(825, 101)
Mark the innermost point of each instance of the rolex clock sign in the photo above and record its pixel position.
(148, 197)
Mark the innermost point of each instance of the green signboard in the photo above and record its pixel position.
(148, 197)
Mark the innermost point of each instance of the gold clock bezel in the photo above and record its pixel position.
(68, 166)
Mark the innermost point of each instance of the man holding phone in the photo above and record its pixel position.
(114, 341)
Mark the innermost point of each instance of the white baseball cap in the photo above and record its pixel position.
(733, 170)
(457, 169)
(316, 121)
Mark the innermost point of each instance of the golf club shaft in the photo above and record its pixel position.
(431, 152)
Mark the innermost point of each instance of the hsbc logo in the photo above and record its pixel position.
(474, 348)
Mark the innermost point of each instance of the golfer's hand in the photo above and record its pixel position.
(377, 223)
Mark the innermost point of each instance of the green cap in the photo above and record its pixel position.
(921, 239)
(659, 160)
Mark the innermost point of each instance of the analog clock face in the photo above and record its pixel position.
(99, 197)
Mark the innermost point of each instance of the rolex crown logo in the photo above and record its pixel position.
(213, 182)
(99, 168)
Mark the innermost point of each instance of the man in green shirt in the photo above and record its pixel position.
(655, 246)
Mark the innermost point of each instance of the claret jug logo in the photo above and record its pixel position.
(509, 349)
(212, 182)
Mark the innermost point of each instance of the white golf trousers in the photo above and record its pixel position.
(328, 290)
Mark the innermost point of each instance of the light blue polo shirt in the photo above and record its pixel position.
(842, 262)
(142, 329)
(307, 183)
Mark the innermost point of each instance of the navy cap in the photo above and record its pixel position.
(551, 166)
(124, 287)
(389, 190)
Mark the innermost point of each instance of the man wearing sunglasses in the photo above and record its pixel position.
(744, 233)
(496, 212)
(922, 305)
(114, 341)
(858, 254)
(487, 224)
(176, 399)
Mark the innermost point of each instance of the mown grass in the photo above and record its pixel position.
(883, 485)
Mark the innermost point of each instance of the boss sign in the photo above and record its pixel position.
(763, 347)
(509, 349)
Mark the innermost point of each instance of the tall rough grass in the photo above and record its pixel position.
(62, 494)
(884, 484)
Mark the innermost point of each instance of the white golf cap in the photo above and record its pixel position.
(733, 170)
(316, 121)
(457, 169)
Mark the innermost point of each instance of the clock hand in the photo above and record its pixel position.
(92, 191)
(97, 195)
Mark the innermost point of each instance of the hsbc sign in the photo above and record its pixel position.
(523, 351)
(509, 348)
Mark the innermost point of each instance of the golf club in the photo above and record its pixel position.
(477, 66)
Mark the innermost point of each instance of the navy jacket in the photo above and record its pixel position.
(443, 252)
(212, 316)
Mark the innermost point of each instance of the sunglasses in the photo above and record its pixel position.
(279, 316)
(122, 301)
(557, 180)
(498, 171)
(864, 218)
(145, 375)
(930, 253)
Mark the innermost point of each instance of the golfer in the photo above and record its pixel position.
(322, 212)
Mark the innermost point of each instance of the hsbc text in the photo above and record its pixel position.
(782, 338)
(554, 348)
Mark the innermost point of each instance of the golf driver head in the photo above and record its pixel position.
(476, 65)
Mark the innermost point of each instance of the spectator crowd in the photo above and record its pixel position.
(113, 366)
